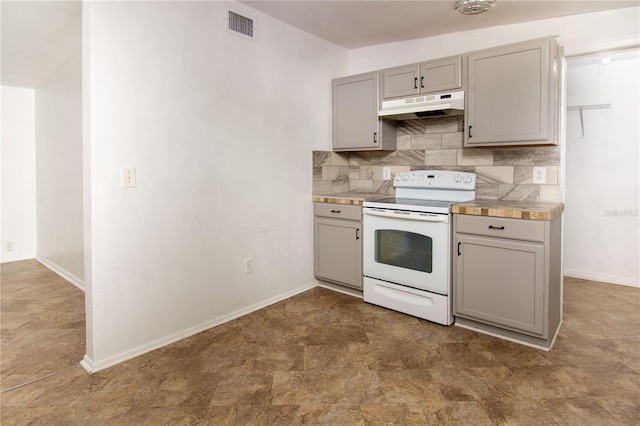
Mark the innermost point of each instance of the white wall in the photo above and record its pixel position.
(18, 174)
(602, 233)
(221, 131)
(58, 123)
(577, 33)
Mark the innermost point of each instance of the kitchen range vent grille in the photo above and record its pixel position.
(241, 25)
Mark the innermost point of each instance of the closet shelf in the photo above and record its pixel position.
(582, 108)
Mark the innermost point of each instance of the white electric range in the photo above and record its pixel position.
(407, 243)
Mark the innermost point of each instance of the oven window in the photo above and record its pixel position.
(404, 249)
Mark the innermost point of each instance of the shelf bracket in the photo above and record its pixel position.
(581, 108)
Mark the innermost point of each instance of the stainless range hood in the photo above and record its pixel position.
(437, 105)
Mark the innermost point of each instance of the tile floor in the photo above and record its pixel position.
(323, 357)
(42, 329)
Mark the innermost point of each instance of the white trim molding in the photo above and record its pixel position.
(62, 272)
(605, 278)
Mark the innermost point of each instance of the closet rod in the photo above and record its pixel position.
(598, 106)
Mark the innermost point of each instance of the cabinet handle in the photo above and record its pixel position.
(459, 244)
(496, 227)
(470, 131)
(375, 137)
(415, 83)
(422, 82)
(335, 211)
(357, 233)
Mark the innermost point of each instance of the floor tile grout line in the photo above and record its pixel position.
(38, 379)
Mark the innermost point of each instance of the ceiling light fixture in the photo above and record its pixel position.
(473, 7)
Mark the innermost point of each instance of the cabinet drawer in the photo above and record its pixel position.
(338, 211)
(515, 229)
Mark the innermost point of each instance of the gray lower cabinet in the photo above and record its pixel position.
(338, 243)
(512, 95)
(507, 276)
(356, 125)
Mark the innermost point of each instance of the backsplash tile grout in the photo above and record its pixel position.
(437, 143)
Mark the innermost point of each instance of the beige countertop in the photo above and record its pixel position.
(511, 209)
(354, 198)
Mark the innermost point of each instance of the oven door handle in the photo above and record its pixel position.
(424, 217)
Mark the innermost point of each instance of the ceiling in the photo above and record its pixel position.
(360, 23)
(37, 36)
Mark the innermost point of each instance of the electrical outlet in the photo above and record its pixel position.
(539, 175)
(9, 245)
(129, 177)
(386, 173)
(248, 265)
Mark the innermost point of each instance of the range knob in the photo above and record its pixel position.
(398, 178)
(405, 177)
(467, 179)
(457, 178)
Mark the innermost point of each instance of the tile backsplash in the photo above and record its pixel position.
(436, 143)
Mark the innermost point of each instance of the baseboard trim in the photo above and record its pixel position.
(511, 336)
(87, 364)
(62, 272)
(605, 278)
(93, 366)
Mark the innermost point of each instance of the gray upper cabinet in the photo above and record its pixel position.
(427, 77)
(356, 125)
(401, 81)
(512, 95)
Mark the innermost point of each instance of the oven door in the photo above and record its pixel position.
(407, 248)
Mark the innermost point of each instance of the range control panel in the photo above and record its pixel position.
(436, 179)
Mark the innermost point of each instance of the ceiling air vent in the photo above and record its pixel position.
(241, 25)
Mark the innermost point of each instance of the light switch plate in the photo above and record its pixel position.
(129, 177)
(539, 175)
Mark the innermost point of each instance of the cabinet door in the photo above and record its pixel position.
(355, 112)
(500, 282)
(437, 76)
(402, 81)
(508, 95)
(338, 251)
